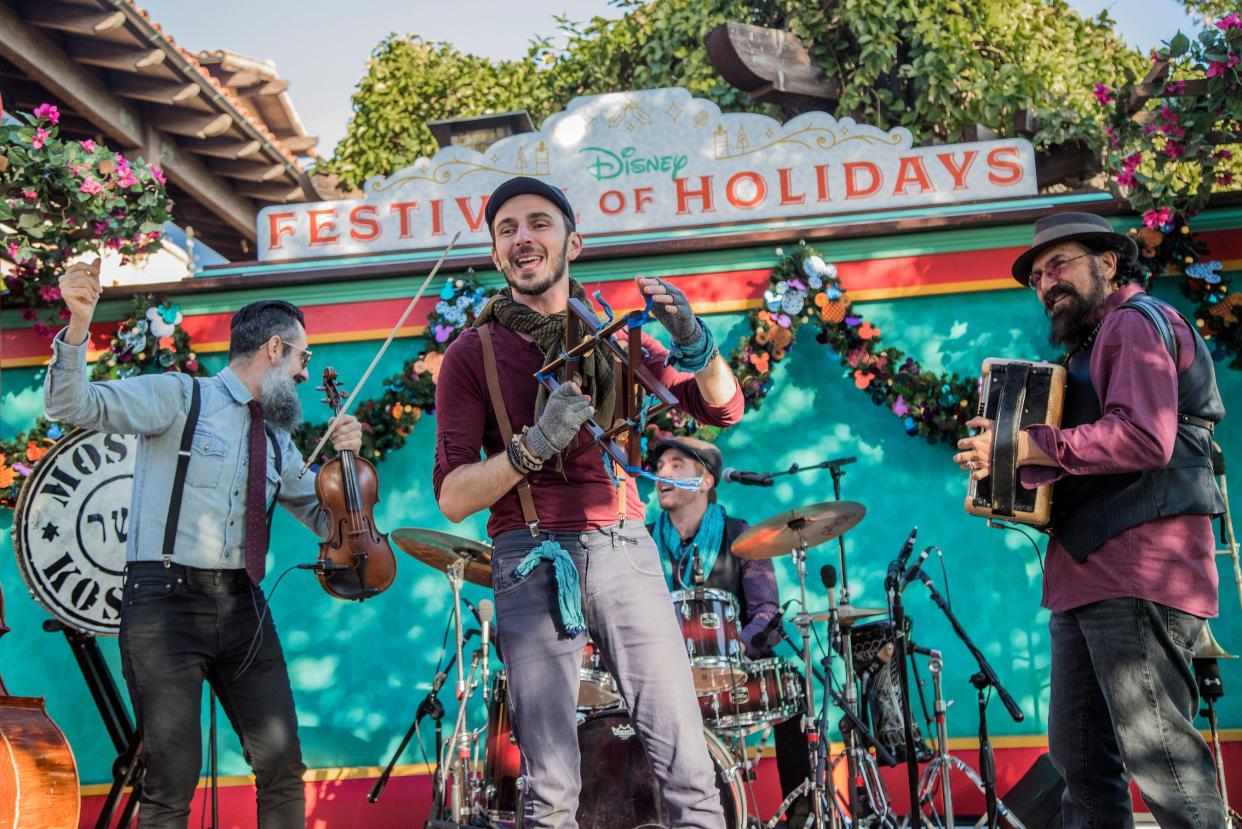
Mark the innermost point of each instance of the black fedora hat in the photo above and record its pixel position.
(1070, 227)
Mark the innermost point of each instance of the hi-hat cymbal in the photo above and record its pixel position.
(848, 614)
(815, 524)
(1206, 646)
(441, 550)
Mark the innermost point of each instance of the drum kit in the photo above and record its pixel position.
(478, 779)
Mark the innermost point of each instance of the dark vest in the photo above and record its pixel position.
(726, 573)
(1090, 509)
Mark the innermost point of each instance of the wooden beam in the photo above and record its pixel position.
(1151, 84)
(23, 94)
(272, 87)
(239, 79)
(298, 144)
(154, 90)
(224, 146)
(1073, 162)
(208, 189)
(66, 17)
(113, 55)
(191, 124)
(270, 191)
(42, 60)
(771, 65)
(257, 170)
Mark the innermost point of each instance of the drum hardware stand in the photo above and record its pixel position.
(458, 765)
(429, 707)
(129, 767)
(802, 620)
(1207, 676)
(984, 679)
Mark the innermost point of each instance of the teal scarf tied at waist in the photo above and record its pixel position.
(568, 590)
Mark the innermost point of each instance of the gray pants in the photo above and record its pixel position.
(1123, 703)
(629, 614)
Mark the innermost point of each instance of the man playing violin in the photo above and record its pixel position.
(214, 457)
(571, 555)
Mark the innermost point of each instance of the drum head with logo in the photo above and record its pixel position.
(70, 526)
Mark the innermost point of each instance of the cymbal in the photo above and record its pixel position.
(780, 534)
(441, 550)
(848, 614)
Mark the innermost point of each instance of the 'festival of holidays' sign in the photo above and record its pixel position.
(655, 159)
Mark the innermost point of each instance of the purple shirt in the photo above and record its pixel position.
(1168, 560)
(579, 497)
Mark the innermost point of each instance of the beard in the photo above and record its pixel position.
(1069, 320)
(558, 268)
(278, 397)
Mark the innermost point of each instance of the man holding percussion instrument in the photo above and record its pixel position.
(570, 554)
(1130, 573)
(691, 521)
(214, 456)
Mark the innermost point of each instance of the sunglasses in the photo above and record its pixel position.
(306, 353)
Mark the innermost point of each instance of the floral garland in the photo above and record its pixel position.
(387, 421)
(149, 340)
(65, 198)
(1168, 160)
(805, 290)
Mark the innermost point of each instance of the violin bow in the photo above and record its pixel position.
(391, 335)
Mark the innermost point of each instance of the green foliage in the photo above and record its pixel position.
(932, 66)
(1210, 9)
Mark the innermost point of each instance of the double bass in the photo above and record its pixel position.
(38, 775)
(356, 562)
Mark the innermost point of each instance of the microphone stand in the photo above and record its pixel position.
(429, 707)
(984, 679)
(897, 607)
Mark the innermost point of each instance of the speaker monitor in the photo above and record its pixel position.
(1036, 797)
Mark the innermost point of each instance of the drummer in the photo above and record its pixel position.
(691, 519)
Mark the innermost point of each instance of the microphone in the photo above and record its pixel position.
(828, 575)
(911, 574)
(746, 478)
(899, 563)
(486, 610)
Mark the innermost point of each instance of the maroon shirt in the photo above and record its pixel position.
(1168, 560)
(582, 497)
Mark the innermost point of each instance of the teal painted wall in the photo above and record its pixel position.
(359, 671)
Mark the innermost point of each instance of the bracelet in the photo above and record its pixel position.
(520, 458)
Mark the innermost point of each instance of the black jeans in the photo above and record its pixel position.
(1123, 703)
(179, 627)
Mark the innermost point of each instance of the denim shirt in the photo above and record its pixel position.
(155, 406)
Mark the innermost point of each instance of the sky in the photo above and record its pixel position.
(322, 47)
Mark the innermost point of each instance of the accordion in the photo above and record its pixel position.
(1015, 394)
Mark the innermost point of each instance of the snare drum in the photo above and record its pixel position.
(708, 620)
(502, 762)
(773, 691)
(596, 688)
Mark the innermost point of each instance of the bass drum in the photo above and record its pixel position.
(619, 790)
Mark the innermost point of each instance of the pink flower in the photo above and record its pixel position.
(1174, 150)
(1224, 155)
(48, 111)
(1103, 94)
(91, 186)
(40, 138)
(78, 169)
(1229, 21)
(30, 195)
(49, 293)
(115, 243)
(1161, 218)
(157, 174)
(1225, 178)
(100, 228)
(14, 251)
(1175, 87)
(45, 331)
(127, 180)
(1112, 135)
(29, 314)
(153, 236)
(1125, 179)
(13, 283)
(65, 314)
(1217, 68)
(88, 145)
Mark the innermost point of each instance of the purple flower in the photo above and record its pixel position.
(1103, 94)
(1218, 68)
(782, 320)
(899, 406)
(49, 293)
(853, 321)
(1174, 150)
(48, 111)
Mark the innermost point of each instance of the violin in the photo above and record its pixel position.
(38, 775)
(356, 562)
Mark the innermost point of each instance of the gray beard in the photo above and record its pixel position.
(1069, 323)
(278, 397)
